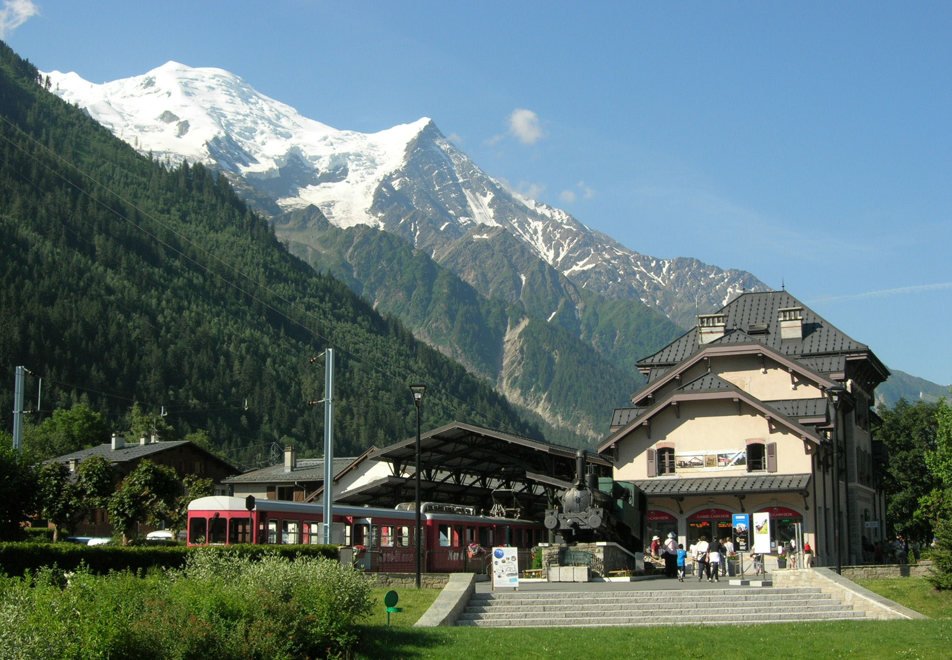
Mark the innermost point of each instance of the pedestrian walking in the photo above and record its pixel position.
(700, 558)
(671, 555)
(714, 560)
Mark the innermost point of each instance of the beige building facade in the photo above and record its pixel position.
(754, 411)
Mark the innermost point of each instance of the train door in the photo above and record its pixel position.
(364, 545)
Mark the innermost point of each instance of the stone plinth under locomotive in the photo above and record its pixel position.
(599, 509)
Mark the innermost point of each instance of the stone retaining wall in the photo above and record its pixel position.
(408, 580)
(876, 571)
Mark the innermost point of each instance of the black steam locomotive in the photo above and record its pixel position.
(599, 509)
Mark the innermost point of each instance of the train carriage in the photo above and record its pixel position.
(454, 537)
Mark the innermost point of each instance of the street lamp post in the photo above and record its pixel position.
(418, 391)
(835, 393)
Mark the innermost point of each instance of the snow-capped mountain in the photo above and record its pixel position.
(409, 180)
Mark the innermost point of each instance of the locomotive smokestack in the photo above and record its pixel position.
(580, 467)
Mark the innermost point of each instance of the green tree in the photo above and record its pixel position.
(194, 487)
(57, 497)
(145, 496)
(909, 433)
(66, 431)
(63, 501)
(936, 507)
(147, 424)
(17, 491)
(95, 476)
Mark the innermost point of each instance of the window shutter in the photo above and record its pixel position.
(771, 457)
(652, 469)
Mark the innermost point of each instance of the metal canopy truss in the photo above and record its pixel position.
(464, 464)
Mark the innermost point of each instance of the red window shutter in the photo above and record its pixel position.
(652, 469)
(771, 457)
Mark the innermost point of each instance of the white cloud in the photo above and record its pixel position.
(918, 288)
(14, 14)
(571, 195)
(531, 190)
(524, 125)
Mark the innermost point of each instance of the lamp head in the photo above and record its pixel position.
(418, 389)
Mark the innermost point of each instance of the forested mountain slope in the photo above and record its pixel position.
(125, 281)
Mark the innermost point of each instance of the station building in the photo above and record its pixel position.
(762, 407)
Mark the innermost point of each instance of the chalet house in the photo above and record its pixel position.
(298, 480)
(763, 408)
(185, 457)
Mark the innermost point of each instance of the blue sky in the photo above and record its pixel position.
(809, 143)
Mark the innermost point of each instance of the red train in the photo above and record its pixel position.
(455, 538)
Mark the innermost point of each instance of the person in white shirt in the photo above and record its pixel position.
(728, 551)
(700, 558)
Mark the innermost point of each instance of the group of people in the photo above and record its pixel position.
(709, 556)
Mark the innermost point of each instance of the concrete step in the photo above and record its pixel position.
(694, 619)
(644, 608)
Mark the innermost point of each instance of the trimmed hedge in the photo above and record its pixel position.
(16, 559)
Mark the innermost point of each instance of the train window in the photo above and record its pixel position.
(458, 535)
(217, 530)
(386, 536)
(445, 535)
(197, 531)
(272, 531)
(239, 531)
(290, 532)
(313, 532)
(470, 535)
(403, 536)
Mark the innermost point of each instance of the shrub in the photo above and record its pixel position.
(220, 605)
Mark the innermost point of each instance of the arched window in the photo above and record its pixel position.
(761, 456)
(661, 459)
(756, 457)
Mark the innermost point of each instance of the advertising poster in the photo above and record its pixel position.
(762, 533)
(505, 567)
(741, 522)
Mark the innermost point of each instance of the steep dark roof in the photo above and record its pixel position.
(307, 469)
(746, 317)
(135, 452)
(130, 452)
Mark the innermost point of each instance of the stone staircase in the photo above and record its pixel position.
(576, 609)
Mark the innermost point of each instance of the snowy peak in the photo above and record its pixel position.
(408, 180)
(209, 115)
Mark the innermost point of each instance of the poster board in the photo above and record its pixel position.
(762, 533)
(505, 567)
(741, 523)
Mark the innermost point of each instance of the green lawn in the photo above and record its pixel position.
(915, 593)
(839, 639)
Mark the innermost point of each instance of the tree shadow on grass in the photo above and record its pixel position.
(379, 642)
